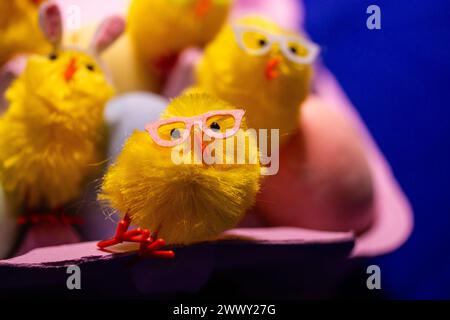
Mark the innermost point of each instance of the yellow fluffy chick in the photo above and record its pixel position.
(175, 24)
(19, 29)
(261, 67)
(157, 31)
(183, 203)
(50, 133)
(52, 130)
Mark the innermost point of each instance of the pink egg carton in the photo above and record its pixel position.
(299, 253)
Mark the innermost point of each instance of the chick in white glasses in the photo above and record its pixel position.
(263, 68)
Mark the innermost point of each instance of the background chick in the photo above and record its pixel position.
(184, 203)
(51, 132)
(270, 87)
(175, 25)
(19, 29)
(322, 159)
(157, 31)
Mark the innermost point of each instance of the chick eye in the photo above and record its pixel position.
(175, 133)
(53, 56)
(90, 67)
(262, 42)
(214, 126)
(293, 50)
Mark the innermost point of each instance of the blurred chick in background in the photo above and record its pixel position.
(182, 203)
(266, 70)
(175, 25)
(51, 133)
(19, 29)
(263, 68)
(157, 31)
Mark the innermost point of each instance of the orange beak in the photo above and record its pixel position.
(198, 136)
(202, 7)
(198, 142)
(70, 70)
(271, 68)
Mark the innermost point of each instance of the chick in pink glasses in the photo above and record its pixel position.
(176, 203)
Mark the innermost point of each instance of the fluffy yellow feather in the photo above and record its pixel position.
(248, 80)
(50, 133)
(19, 29)
(184, 203)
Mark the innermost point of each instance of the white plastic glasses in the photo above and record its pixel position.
(258, 42)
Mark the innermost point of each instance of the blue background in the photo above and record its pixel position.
(399, 80)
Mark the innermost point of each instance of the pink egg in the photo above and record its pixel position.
(324, 181)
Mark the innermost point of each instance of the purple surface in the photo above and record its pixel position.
(288, 258)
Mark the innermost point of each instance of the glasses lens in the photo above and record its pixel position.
(299, 51)
(172, 131)
(255, 41)
(220, 123)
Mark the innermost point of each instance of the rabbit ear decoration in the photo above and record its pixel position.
(50, 21)
(108, 32)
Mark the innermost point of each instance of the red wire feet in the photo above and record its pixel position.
(149, 247)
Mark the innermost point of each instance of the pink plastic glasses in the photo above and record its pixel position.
(219, 124)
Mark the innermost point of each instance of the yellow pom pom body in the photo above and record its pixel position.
(234, 75)
(162, 28)
(184, 203)
(51, 132)
(42, 168)
(19, 29)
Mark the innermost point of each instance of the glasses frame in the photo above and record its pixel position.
(200, 121)
(283, 41)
